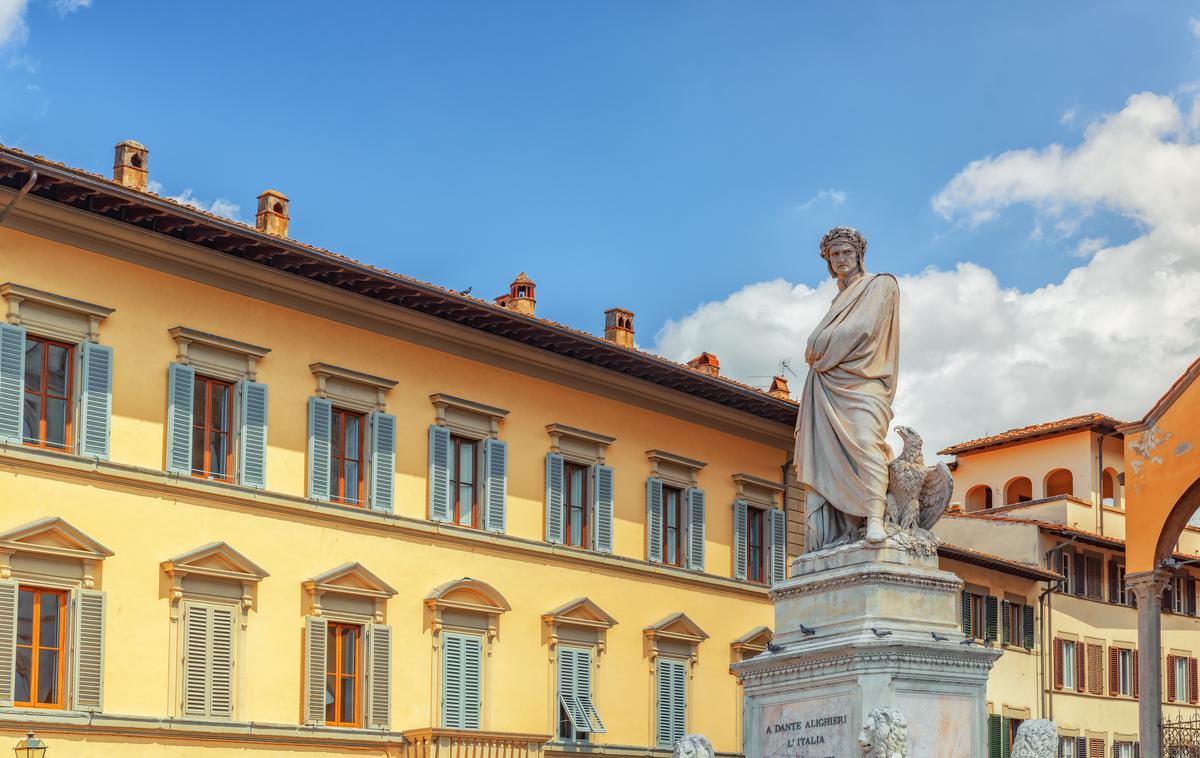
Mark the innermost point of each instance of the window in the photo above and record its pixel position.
(756, 544)
(1117, 591)
(1066, 568)
(1019, 490)
(577, 714)
(1108, 488)
(1011, 736)
(979, 498)
(671, 706)
(1059, 482)
(46, 417)
(1066, 747)
(1123, 750)
(1068, 664)
(672, 521)
(41, 616)
(980, 615)
(212, 420)
(462, 673)
(1123, 672)
(1180, 679)
(346, 457)
(464, 491)
(575, 502)
(341, 674)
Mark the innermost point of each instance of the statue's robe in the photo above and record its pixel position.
(846, 406)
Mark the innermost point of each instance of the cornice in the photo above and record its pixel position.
(949, 583)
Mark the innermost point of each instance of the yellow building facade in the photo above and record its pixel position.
(258, 497)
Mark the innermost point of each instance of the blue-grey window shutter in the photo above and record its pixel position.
(8, 640)
(778, 545)
(383, 461)
(654, 506)
(316, 633)
(462, 663)
(602, 487)
(495, 482)
(439, 473)
(252, 434)
(95, 399)
(379, 676)
(695, 552)
(181, 383)
(554, 498)
(88, 692)
(12, 381)
(739, 539)
(320, 426)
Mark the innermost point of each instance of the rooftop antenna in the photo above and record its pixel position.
(785, 366)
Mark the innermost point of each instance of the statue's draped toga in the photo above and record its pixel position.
(846, 407)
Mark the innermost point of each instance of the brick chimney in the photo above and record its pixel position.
(618, 326)
(779, 388)
(129, 165)
(272, 216)
(706, 363)
(520, 296)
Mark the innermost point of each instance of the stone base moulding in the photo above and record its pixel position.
(811, 699)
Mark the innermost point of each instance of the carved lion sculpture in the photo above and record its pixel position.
(1036, 738)
(884, 735)
(693, 746)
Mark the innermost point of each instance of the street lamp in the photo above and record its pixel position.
(30, 747)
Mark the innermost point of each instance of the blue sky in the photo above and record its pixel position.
(652, 155)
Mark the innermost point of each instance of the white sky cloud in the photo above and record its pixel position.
(219, 207)
(70, 6)
(1194, 25)
(12, 21)
(979, 358)
(832, 196)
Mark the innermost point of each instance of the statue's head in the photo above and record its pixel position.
(843, 249)
(693, 746)
(884, 734)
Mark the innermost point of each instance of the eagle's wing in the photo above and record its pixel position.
(935, 495)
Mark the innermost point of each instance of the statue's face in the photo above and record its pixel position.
(843, 259)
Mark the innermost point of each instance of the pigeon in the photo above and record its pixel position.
(939, 637)
(467, 291)
(968, 641)
(807, 631)
(881, 633)
(773, 648)
(987, 643)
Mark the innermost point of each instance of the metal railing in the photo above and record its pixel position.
(1181, 738)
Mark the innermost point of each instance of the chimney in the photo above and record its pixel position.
(129, 165)
(520, 296)
(618, 326)
(779, 388)
(706, 363)
(272, 216)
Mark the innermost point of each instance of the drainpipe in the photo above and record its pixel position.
(1100, 481)
(1048, 598)
(33, 177)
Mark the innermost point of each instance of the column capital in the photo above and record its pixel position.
(1148, 586)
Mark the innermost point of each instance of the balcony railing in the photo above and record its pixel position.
(469, 743)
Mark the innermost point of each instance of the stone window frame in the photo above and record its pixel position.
(467, 418)
(63, 311)
(219, 357)
(578, 445)
(675, 470)
(352, 390)
(583, 613)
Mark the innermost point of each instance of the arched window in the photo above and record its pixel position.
(1019, 490)
(979, 498)
(1108, 488)
(1060, 482)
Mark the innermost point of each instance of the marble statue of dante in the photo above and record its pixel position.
(846, 404)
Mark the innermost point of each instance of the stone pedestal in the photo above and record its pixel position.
(810, 700)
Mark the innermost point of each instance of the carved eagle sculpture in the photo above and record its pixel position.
(917, 494)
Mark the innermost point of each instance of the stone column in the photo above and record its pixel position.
(1148, 587)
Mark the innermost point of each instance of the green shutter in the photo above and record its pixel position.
(8, 639)
(739, 539)
(568, 688)
(1005, 743)
(439, 473)
(383, 461)
(654, 506)
(12, 387)
(495, 483)
(993, 736)
(95, 399)
(695, 529)
(991, 611)
(1006, 630)
(252, 434)
(379, 676)
(1027, 626)
(320, 429)
(602, 489)
(554, 498)
(462, 670)
(220, 676)
(181, 383)
(966, 614)
(777, 521)
(316, 639)
(88, 642)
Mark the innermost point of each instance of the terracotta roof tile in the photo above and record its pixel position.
(1025, 433)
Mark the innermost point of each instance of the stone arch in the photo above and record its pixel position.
(978, 498)
(1018, 490)
(1060, 481)
(1187, 505)
(1108, 487)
